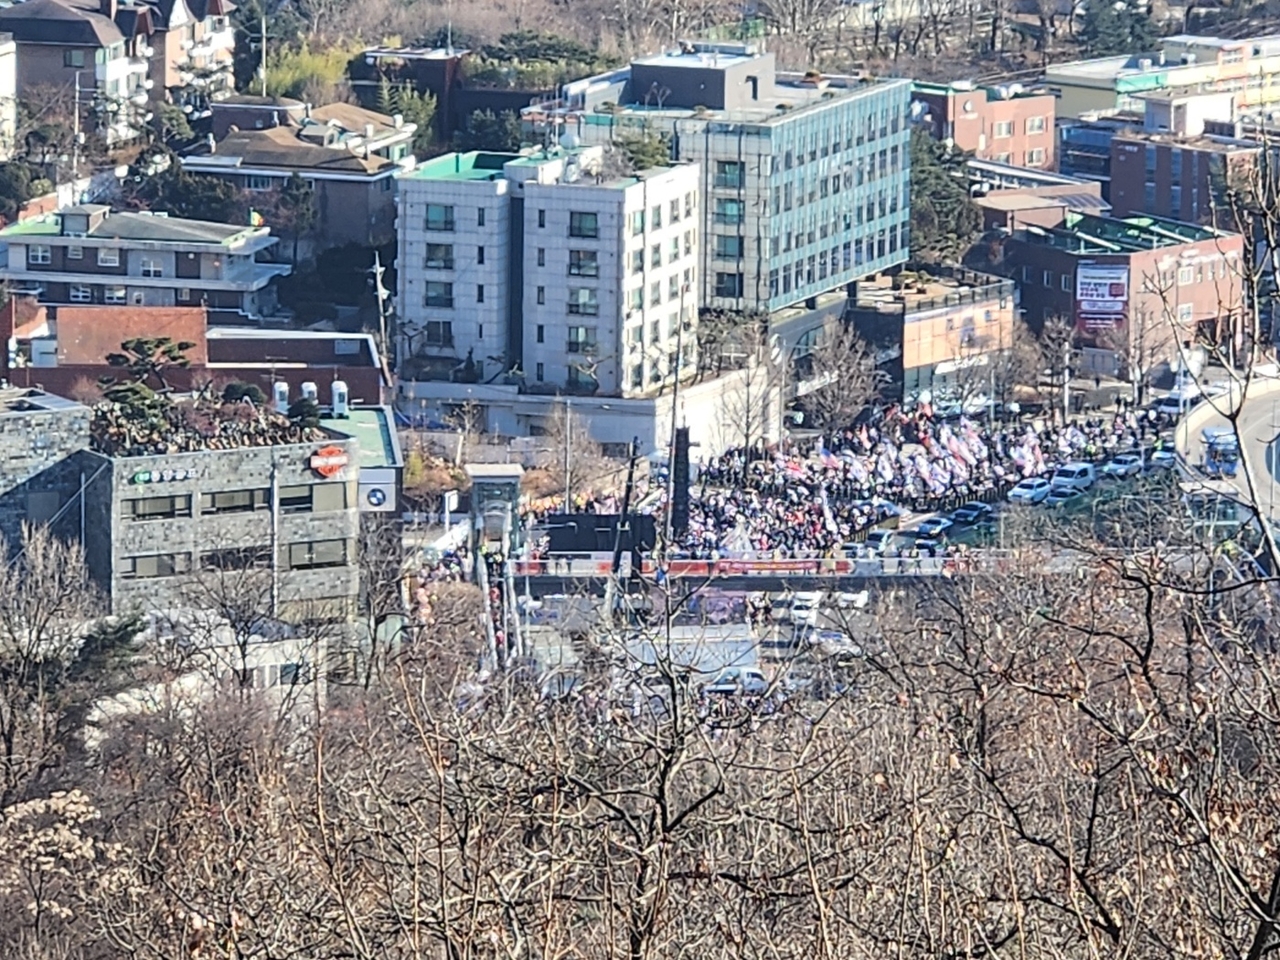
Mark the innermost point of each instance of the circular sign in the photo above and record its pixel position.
(376, 497)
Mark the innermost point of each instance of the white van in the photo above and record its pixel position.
(1074, 476)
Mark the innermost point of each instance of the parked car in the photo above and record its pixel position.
(1074, 476)
(1030, 490)
(736, 680)
(934, 527)
(1166, 458)
(833, 643)
(970, 513)
(853, 601)
(877, 542)
(1062, 497)
(804, 609)
(931, 546)
(1123, 465)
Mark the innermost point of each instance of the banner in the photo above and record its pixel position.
(1102, 296)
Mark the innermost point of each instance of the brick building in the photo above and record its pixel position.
(1135, 289)
(1179, 177)
(1007, 124)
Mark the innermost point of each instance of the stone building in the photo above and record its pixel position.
(43, 463)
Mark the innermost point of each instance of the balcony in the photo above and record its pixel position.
(584, 309)
(440, 263)
(582, 347)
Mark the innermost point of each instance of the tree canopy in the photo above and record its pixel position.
(486, 130)
(1109, 29)
(944, 220)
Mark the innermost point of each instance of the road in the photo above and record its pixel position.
(1259, 429)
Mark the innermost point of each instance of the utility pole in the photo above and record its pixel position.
(671, 449)
(382, 295)
(75, 135)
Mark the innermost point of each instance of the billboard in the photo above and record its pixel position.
(1102, 296)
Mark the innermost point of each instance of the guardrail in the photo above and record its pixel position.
(987, 561)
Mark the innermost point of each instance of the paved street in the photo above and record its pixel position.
(1259, 426)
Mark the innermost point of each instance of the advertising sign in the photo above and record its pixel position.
(1102, 295)
(328, 461)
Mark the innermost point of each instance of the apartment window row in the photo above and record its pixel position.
(316, 554)
(309, 555)
(236, 558)
(155, 565)
(305, 498)
(653, 218)
(673, 248)
(107, 293)
(41, 254)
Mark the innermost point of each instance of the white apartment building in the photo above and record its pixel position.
(538, 273)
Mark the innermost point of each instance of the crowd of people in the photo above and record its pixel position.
(785, 504)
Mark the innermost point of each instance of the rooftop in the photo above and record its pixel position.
(173, 426)
(920, 291)
(139, 226)
(372, 427)
(476, 165)
(15, 400)
(1208, 142)
(1012, 91)
(1087, 235)
(59, 22)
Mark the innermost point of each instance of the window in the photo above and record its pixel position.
(583, 263)
(583, 225)
(542, 334)
(1035, 124)
(637, 376)
(1186, 312)
(295, 499)
(673, 250)
(688, 204)
(317, 553)
(542, 256)
(1035, 157)
(637, 223)
(1003, 128)
(673, 214)
(158, 508)
(1066, 283)
(657, 218)
(151, 267)
(439, 294)
(655, 293)
(582, 301)
(728, 248)
(292, 674)
(235, 501)
(39, 253)
(1185, 276)
(236, 558)
(542, 294)
(108, 257)
(480, 330)
(728, 211)
(1048, 278)
(655, 255)
(327, 497)
(582, 339)
(440, 256)
(155, 565)
(479, 254)
(75, 252)
(729, 285)
(184, 294)
(79, 293)
(635, 299)
(673, 288)
(542, 218)
(114, 294)
(540, 372)
(257, 183)
(730, 174)
(688, 243)
(655, 331)
(439, 217)
(73, 59)
(439, 333)
(480, 294)
(480, 220)
(637, 261)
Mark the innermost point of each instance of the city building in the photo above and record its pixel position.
(1177, 176)
(43, 468)
(100, 48)
(1135, 289)
(64, 349)
(273, 524)
(540, 271)
(349, 156)
(1008, 124)
(937, 331)
(8, 96)
(1246, 67)
(804, 176)
(90, 254)
(192, 53)
(1084, 145)
(1010, 208)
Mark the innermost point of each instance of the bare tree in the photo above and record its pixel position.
(842, 378)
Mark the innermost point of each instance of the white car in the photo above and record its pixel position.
(738, 680)
(1123, 465)
(1030, 490)
(804, 609)
(853, 601)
